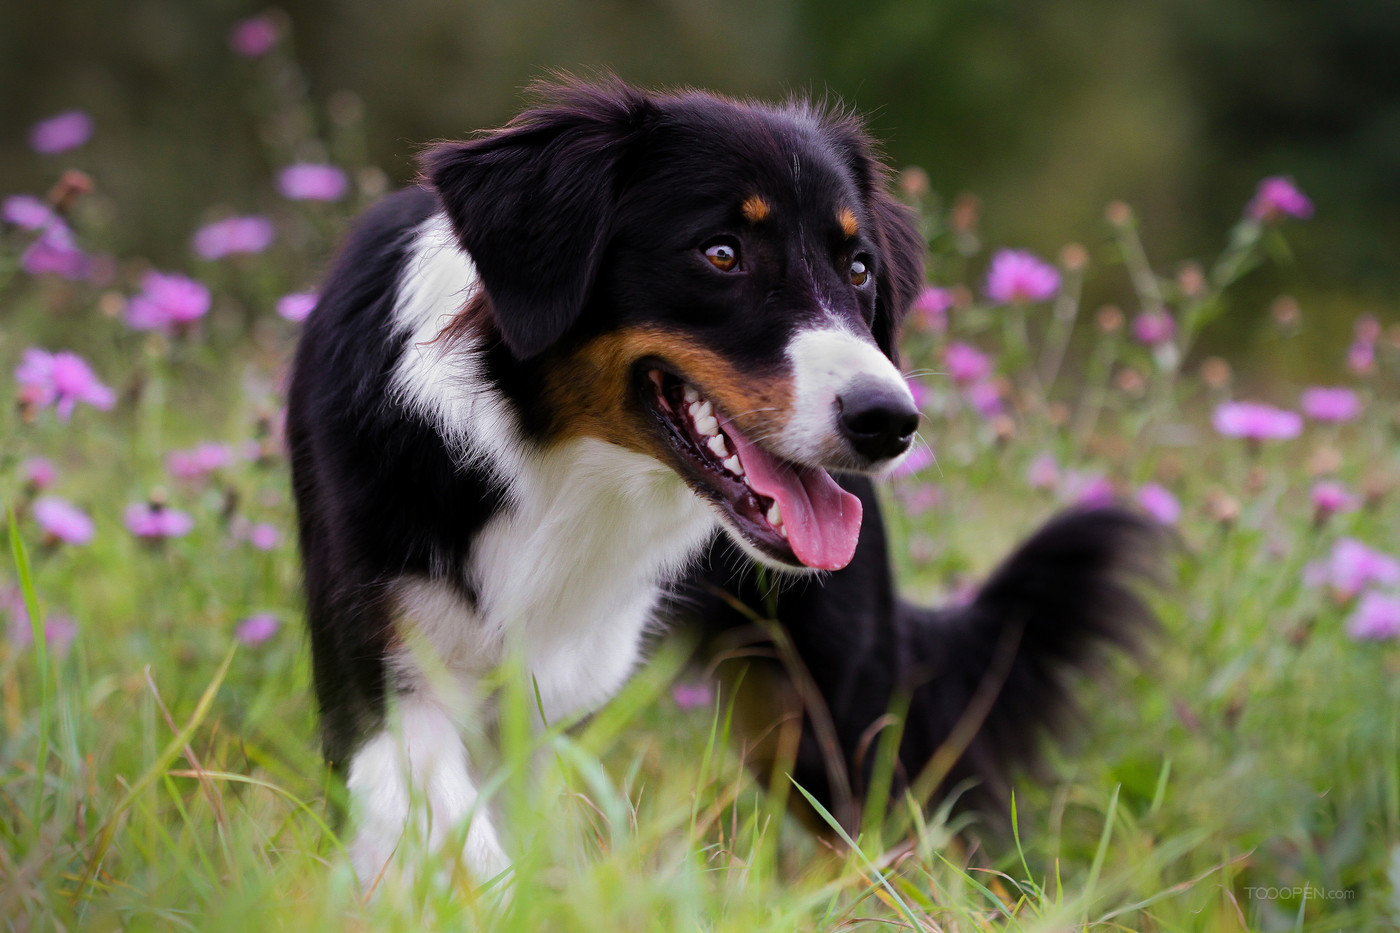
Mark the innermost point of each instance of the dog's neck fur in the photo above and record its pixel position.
(568, 574)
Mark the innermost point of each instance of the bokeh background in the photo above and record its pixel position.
(1044, 111)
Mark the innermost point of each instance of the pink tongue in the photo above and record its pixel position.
(821, 518)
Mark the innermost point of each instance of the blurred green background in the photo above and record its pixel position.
(1045, 110)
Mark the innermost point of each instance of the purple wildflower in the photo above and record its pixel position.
(1330, 404)
(1020, 276)
(55, 252)
(692, 695)
(154, 522)
(1376, 617)
(198, 462)
(296, 306)
(1157, 501)
(1351, 567)
(62, 132)
(918, 458)
(38, 472)
(61, 379)
(1277, 197)
(257, 629)
(167, 302)
(1154, 327)
(1044, 472)
(985, 397)
(930, 308)
(918, 498)
(966, 364)
(27, 211)
(1330, 498)
(58, 630)
(1361, 357)
(62, 521)
(307, 181)
(251, 234)
(1256, 421)
(255, 36)
(1091, 490)
(264, 537)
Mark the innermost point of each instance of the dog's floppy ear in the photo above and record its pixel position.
(901, 274)
(533, 203)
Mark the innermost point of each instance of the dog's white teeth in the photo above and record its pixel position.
(718, 447)
(734, 466)
(782, 530)
(690, 393)
(775, 518)
(708, 426)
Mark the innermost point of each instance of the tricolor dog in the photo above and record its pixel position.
(597, 364)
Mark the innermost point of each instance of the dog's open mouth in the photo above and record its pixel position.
(795, 514)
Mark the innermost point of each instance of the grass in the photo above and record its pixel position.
(158, 773)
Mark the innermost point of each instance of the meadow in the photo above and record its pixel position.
(158, 759)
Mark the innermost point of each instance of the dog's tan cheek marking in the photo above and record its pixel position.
(755, 209)
(589, 391)
(847, 218)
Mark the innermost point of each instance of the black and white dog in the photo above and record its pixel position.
(545, 391)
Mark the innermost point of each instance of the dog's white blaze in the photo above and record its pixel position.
(824, 364)
(444, 383)
(411, 794)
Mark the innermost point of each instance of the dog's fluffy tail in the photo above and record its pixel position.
(992, 678)
(985, 682)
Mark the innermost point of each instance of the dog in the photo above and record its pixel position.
(584, 376)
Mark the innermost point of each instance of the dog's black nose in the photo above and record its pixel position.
(877, 419)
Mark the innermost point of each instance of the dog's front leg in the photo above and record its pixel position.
(412, 798)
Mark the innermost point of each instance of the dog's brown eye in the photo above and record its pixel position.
(723, 256)
(859, 273)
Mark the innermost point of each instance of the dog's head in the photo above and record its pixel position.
(716, 284)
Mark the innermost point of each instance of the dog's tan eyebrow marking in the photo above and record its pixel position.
(755, 209)
(847, 218)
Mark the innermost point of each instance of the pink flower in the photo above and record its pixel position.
(930, 308)
(1330, 404)
(1330, 497)
(966, 364)
(167, 302)
(63, 521)
(1154, 327)
(1361, 357)
(1019, 276)
(1351, 567)
(264, 537)
(257, 629)
(61, 379)
(1044, 472)
(255, 36)
(985, 398)
(692, 695)
(27, 211)
(58, 630)
(55, 252)
(233, 235)
(296, 306)
(1158, 502)
(198, 462)
(1256, 421)
(1277, 197)
(38, 473)
(917, 459)
(306, 181)
(154, 522)
(1367, 329)
(1376, 617)
(1091, 490)
(67, 130)
(919, 498)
